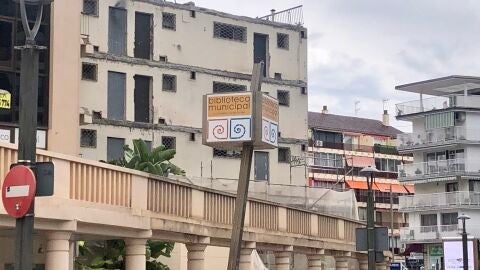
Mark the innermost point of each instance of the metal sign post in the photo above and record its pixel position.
(246, 121)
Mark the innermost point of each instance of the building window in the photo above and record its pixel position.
(303, 34)
(169, 83)
(282, 41)
(192, 137)
(387, 165)
(428, 220)
(284, 154)
(169, 21)
(89, 72)
(116, 95)
(193, 13)
(262, 167)
(229, 31)
(283, 98)
(362, 213)
(474, 185)
(304, 90)
(88, 138)
(142, 98)
(277, 76)
(451, 187)
(219, 87)
(143, 36)
(117, 31)
(169, 142)
(328, 160)
(90, 7)
(163, 58)
(115, 149)
(227, 153)
(449, 218)
(378, 217)
(193, 75)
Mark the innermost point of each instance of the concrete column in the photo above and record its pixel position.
(245, 259)
(363, 263)
(315, 262)
(381, 266)
(341, 263)
(57, 255)
(135, 254)
(282, 260)
(196, 256)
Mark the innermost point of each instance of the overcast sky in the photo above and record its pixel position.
(359, 50)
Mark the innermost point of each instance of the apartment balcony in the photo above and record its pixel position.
(406, 109)
(433, 169)
(428, 234)
(385, 149)
(437, 201)
(437, 137)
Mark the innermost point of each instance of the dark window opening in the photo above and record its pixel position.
(162, 121)
(451, 187)
(260, 51)
(6, 43)
(303, 34)
(169, 21)
(428, 220)
(229, 31)
(449, 218)
(283, 98)
(304, 90)
(193, 75)
(193, 14)
(169, 83)
(277, 76)
(116, 95)
(143, 35)
(169, 142)
(282, 41)
(142, 98)
(115, 148)
(163, 58)
(262, 167)
(227, 153)
(219, 87)
(89, 72)
(192, 137)
(7, 8)
(96, 48)
(88, 138)
(303, 148)
(117, 31)
(90, 7)
(284, 154)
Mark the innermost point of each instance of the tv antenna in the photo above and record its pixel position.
(357, 107)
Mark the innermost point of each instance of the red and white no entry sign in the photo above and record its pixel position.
(18, 191)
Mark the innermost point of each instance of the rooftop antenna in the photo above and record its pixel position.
(385, 102)
(357, 107)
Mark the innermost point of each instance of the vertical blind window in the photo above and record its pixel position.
(440, 120)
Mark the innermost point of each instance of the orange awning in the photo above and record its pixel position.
(396, 188)
(360, 162)
(357, 184)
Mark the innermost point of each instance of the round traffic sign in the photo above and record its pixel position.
(18, 191)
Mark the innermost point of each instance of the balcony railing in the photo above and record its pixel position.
(437, 103)
(428, 233)
(435, 136)
(431, 168)
(440, 200)
(385, 149)
(292, 16)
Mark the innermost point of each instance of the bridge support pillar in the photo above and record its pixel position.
(196, 256)
(341, 262)
(381, 266)
(135, 254)
(315, 262)
(58, 251)
(282, 260)
(245, 259)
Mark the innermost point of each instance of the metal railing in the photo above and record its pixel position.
(437, 103)
(428, 233)
(289, 16)
(437, 136)
(429, 168)
(439, 200)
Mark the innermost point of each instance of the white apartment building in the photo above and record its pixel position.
(445, 144)
(147, 63)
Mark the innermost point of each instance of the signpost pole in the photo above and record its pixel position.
(243, 183)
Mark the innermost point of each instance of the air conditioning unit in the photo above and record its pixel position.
(318, 143)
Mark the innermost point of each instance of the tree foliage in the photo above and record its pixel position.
(110, 254)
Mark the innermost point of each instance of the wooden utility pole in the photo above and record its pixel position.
(243, 182)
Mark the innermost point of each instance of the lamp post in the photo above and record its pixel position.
(464, 218)
(369, 172)
(28, 124)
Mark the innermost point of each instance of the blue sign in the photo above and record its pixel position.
(395, 266)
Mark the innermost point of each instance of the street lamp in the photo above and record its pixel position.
(28, 124)
(369, 172)
(464, 218)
